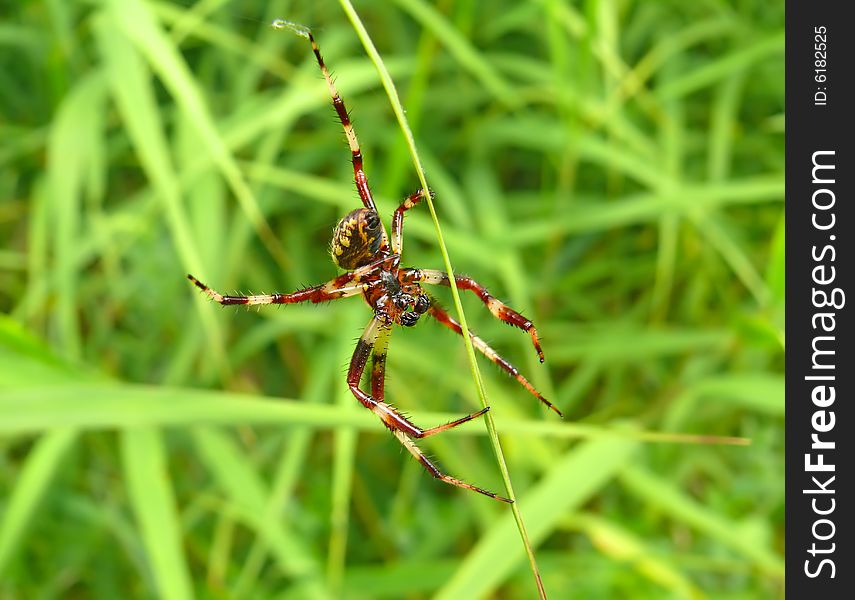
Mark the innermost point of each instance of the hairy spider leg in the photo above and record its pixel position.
(444, 318)
(356, 154)
(340, 287)
(420, 456)
(375, 342)
(398, 219)
(346, 284)
(499, 309)
(378, 387)
(391, 417)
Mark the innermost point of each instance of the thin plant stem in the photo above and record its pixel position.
(395, 101)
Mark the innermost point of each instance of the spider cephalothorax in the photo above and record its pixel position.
(372, 263)
(395, 302)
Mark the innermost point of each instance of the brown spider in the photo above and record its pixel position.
(371, 258)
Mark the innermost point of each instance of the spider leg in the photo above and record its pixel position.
(420, 456)
(346, 284)
(364, 348)
(398, 219)
(378, 392)
(344, 117)
(340, 287)
(499, 309)
(375, 341)
(378, 366)
(444, 318)
(377, 334)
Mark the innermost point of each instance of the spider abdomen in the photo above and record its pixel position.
(356, 239)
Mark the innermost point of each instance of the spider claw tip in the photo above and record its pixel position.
(300, 30)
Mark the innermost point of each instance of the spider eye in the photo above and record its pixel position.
(422, 304)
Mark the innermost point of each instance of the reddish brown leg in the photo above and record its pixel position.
(398, 219)
(499, 309)
(443, 317)
(374, 342)
(347, 284)
(340, 287)
(434, 470)
(341, 111)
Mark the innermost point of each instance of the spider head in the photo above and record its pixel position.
(420, 304)
(357, 239)
(398, 303)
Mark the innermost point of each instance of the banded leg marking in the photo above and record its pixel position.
(341, 111)
(500, 310)
(332, 290)
(444, 318)
(374, 341)
(398, 219)
(387, 413)
(378, 391)
(431, 468)
(378, 365)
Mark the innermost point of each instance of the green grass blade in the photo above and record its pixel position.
(724, 67)
(112, 406)
(135, 20)
(31, 486)
(344, 459)
(460, 48)
(71, 147)
(661, 492)
(248, 495)
(627, 548)
(153, 501)
(398, 108)
(566, 486)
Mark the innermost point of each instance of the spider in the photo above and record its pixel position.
(371, 259)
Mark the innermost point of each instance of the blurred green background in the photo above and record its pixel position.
(612, 169)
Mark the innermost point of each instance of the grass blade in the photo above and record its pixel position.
(248, 495)
(150, 491)
(658, 491)
(567, 485)
(395, 101)
(31, 486)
